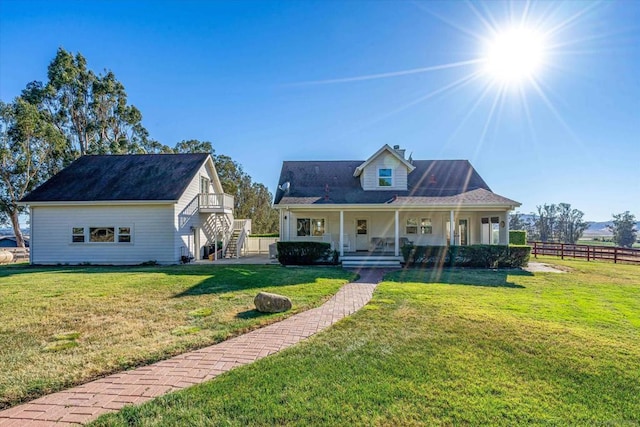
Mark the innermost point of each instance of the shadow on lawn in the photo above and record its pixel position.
(215, 279)
(459, 276)
(251, 314)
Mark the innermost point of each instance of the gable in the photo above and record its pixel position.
(132, 177)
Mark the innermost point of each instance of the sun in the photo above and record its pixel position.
(514, 56)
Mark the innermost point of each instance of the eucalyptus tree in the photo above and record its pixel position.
(624, 229)
(29, 145)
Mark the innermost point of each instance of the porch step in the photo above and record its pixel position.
(371, 261)
(371, 264)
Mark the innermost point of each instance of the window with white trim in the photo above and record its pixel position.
(120, 234)
(310, 227)
(77, 234)
(102, 234)
(385, 177)
(412, 226)
(124, 234)
(425, 226)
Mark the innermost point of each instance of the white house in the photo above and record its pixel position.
(129, 209)
(376, 205)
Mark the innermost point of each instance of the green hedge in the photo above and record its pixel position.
(483, 256)
(265, 235)
(517, 237)
(306, 253)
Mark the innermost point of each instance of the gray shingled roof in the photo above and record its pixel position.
(442, 182)
(121, 177)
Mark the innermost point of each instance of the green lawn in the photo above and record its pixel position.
(62, 326)
(446, 348)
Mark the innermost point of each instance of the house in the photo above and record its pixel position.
(10, 241)
(375, 206)
(130, 209)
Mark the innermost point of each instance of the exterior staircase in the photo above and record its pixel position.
(371, 261)
(232, 247)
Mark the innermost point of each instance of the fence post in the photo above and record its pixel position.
(588, 252)
(561, 250)
(535, 249)
(615, 254)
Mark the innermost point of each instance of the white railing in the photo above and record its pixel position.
(215, 201)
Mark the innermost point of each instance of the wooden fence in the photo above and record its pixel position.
(588, 252)
(259, 245)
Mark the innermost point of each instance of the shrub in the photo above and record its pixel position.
(483, 256)
(265, 235)
(306, 253)
(517, 237)
(518, 256)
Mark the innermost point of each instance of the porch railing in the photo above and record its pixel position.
(215, 201)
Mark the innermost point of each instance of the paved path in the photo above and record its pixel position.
(86, 402)
(539, 267)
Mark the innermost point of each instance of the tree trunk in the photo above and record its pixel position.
(15, 223)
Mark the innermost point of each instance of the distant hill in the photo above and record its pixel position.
(596, 228)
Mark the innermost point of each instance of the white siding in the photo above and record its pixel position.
(152, 234)
(369, 176)
(187, 217)
(382, 224)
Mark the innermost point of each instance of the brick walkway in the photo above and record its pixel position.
(86, 402)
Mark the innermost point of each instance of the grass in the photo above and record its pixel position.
(62, 326)
(592, 242)
(445, 348)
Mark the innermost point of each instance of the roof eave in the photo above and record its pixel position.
(96, 202)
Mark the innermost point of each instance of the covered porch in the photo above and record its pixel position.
(382, 232)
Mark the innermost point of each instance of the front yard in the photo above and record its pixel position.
(63, 326)
(445, 347)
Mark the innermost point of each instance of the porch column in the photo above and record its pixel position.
(506, 226)
(287, 219)
(452, 228)
(215, 237)
(396, 250)
(341, 233)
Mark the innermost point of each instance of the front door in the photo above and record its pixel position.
(362, 234)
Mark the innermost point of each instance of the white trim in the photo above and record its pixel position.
(393, 152)
(101, 203)
(392, 178)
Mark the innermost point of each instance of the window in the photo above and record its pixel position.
(412, 226)
(425, 226)
(385, 177)
(311, 227)
(361, 226)
(124, 234)
(102, 234)
(204, 185)
(77, 235)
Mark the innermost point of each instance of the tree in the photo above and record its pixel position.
(623, 229)
(28, 142)
(558, 223)
(570, 225)
(90, 110)
(545, 222)
(516, 221)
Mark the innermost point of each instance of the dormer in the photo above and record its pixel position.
(387, 169)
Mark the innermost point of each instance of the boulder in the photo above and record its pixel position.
(271, 303)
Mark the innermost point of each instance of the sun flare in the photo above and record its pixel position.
(514, 56)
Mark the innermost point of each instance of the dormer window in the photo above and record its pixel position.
(385, 177)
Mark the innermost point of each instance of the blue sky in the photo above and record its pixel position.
(258, 80)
